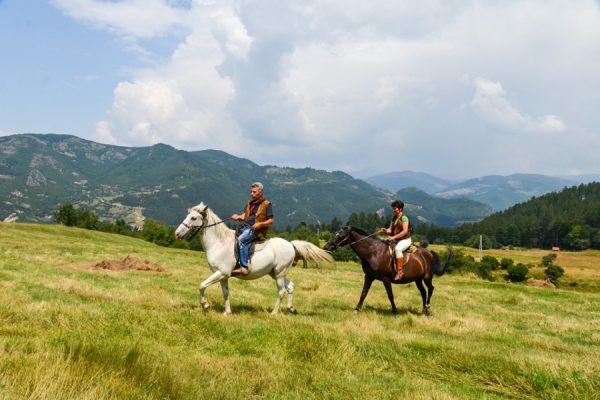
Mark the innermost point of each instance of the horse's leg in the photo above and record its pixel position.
(225, 288)
(280, 282)
(214, 278)
(365, 291)
(429, 283)
(419, 283)
(390, 293)
(289, 286)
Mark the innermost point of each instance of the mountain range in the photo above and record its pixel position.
(499, 192)
(40, 172)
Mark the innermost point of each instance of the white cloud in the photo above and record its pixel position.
(103, 134)
(490, 102)
(355, 85)
(138, 18)
(231, 34)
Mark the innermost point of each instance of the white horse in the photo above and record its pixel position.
(275, 259)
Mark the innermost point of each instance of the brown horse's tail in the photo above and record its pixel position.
(438, 268)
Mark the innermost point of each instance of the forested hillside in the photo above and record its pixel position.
(39, 173)
(569, 219)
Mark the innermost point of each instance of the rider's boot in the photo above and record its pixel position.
(399, 271)
(240, 270)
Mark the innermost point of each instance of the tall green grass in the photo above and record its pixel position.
(69, 332)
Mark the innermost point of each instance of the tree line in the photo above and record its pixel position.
(153, 231)
(569, 219)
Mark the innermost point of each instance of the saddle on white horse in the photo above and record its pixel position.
(255, 247)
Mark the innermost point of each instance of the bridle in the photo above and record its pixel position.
(195, 229)
(356, 241)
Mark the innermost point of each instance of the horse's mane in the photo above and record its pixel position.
(363, 232)
(220, 228)
(358, 230)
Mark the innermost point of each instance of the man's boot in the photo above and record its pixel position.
(239, 271)
(399, 271)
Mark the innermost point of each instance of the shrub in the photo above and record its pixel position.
(68, 215)
(518, 272)
(484, 271)
(344, 254)
(505, 263)
(460, 261)
(325, 235)
(548, 259)
(157, 232)
(553, 273)
(490, 262)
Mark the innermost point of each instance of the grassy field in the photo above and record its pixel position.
(68, 331)
(582, 268)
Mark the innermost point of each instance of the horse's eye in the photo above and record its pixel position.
(194, 218)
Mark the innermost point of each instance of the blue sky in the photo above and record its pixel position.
(456, 89)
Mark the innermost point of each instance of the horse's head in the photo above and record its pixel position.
(194, 222)
(341, 238)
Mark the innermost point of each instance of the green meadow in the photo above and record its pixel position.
(70, 331)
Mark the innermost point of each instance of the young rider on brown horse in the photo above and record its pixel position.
(399, 230)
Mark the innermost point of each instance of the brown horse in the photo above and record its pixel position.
(376, 258)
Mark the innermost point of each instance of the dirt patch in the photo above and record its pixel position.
(541, 283)
(128, 263)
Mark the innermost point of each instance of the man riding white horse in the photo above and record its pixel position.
(257, 218)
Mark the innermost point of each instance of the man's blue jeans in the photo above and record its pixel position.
(246, 237)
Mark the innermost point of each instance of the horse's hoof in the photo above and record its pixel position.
(395, 311)
(426, 311)
(226, 313)
(274, 312)
(205, 306)
(356, 310)
(292, 310)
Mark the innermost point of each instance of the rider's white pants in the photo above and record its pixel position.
(402, 246)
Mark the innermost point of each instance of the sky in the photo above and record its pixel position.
(457, 89)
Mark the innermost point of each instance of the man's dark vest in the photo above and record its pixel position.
(261, 216)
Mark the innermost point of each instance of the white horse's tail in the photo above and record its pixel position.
(310, 252)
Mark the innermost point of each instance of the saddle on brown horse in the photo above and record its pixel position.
(406, 255)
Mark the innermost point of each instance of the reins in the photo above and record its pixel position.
(216, 223)
(196, 230)
(363, 238)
